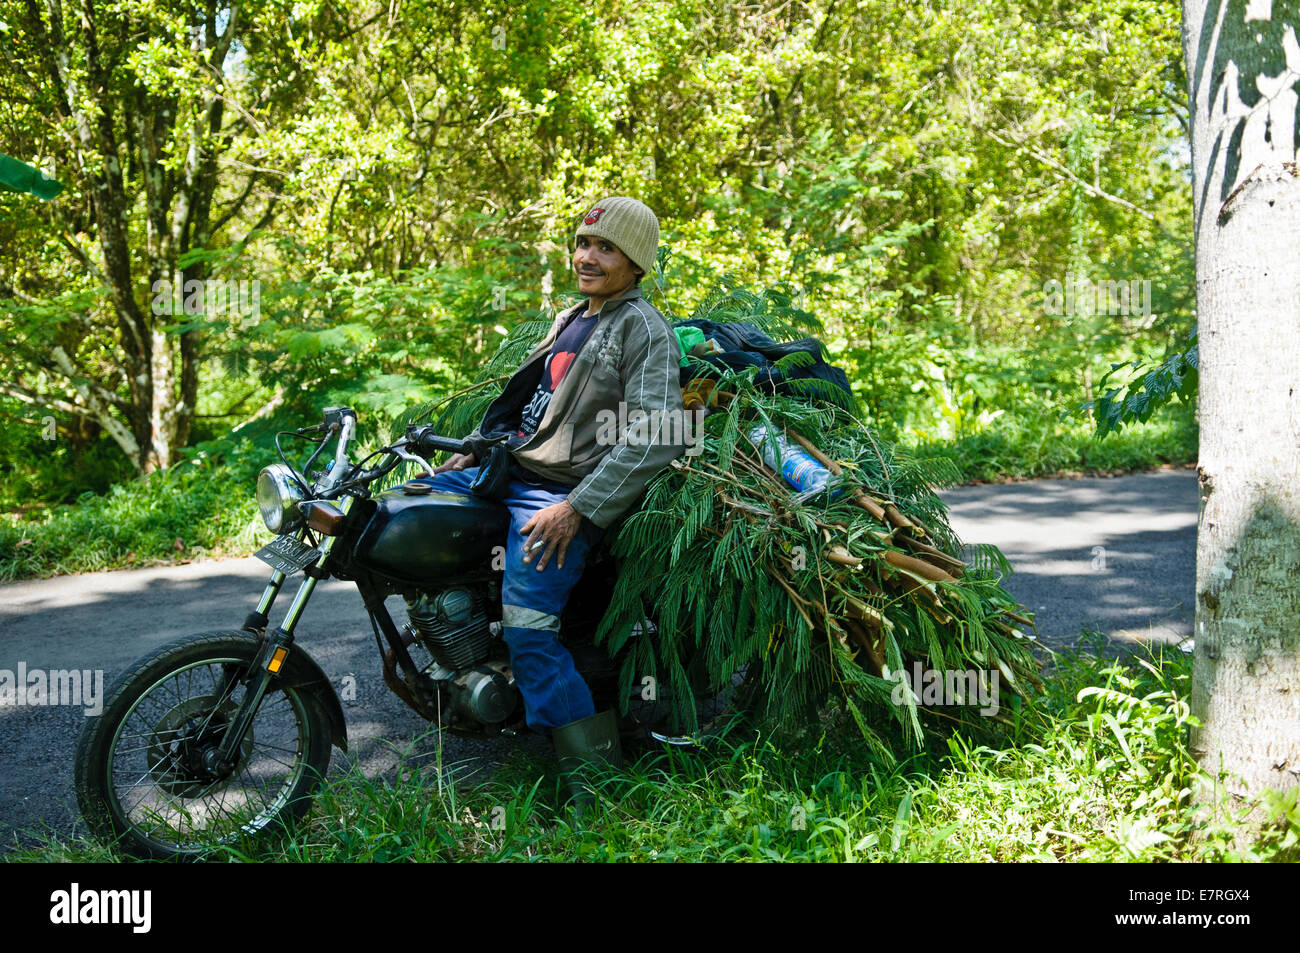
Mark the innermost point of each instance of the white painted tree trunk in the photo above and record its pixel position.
(1243, 66)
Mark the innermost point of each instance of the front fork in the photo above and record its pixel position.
(275, 647)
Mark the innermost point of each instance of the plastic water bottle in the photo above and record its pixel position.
(796, 465)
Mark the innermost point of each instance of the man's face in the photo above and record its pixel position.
(603, 270)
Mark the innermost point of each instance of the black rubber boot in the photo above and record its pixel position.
(586, 741)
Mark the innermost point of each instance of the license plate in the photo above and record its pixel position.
(287, 554)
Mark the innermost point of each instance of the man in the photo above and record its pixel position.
(572, 474)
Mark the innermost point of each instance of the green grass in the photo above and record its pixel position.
(1050, 447)
(1101, 773)
(200, 507)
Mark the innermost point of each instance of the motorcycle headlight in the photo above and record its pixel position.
(278, 495)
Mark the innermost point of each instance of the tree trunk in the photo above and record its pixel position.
(1243, 63)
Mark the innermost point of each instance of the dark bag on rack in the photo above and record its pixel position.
(743, 345)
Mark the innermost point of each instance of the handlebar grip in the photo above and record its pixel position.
(427, 442)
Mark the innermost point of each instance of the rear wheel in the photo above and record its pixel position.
(144, 768)
(655, 718)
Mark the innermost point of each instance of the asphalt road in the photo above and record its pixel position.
(1111, 555)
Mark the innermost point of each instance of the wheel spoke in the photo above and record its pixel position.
(261, 746)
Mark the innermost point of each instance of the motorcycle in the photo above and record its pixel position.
(217, 736)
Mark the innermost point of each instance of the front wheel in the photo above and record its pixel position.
(143, 779)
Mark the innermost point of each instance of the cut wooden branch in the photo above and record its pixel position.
(1019, 618)
(875, 651)
(918, 566)
(943, 618)
(798, 600)
(912, 585)
(841, 557)
(820, 457)
(900, 521)
(922, 527)
(868, 614)
(933, 555)
(1008, 678)
(871, 506)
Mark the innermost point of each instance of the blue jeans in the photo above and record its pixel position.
(532, 602)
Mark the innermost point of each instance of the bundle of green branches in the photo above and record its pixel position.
(823, 599)
(832, 596)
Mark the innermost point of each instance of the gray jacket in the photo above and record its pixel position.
(616, 417)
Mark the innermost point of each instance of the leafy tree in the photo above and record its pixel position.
(146, 108)
(402, 183)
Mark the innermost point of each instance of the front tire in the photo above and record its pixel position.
(141, 779)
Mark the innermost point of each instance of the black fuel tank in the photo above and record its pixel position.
(433, 538)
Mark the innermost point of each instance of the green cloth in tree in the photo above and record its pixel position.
(21, 177)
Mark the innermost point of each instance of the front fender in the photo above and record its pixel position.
(302, 672)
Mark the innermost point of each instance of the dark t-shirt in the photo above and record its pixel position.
(567, 345)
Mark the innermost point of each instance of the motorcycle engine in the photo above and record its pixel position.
(453, 626)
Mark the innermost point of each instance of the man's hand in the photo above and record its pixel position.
(458, 461)
(552, 528)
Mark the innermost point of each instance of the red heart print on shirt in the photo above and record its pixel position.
(559, 364)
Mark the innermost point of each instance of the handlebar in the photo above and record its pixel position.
(425, 442)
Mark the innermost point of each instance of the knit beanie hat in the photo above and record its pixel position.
(628, 224)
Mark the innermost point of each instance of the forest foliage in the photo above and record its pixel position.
(270, 208)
